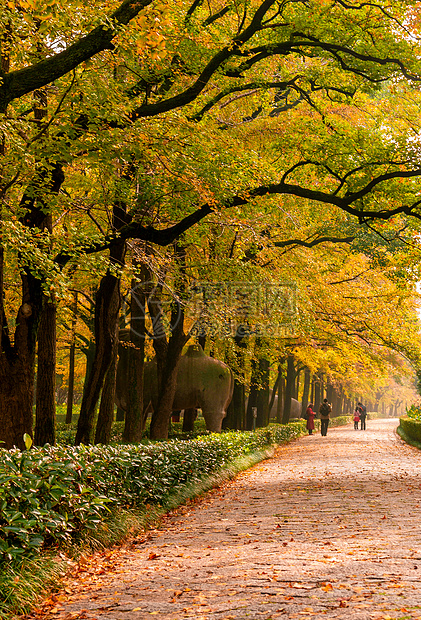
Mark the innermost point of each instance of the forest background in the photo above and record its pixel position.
(152, 152)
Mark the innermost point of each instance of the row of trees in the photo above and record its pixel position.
(260, 141)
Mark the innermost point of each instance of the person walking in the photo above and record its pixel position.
(363, 415)
(310, 415)
(356, 418)
(324, 411)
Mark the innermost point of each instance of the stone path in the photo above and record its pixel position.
(329, 528)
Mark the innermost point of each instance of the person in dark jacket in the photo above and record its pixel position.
(363, 415)
(324, 411)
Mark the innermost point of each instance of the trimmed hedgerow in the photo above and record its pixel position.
(49, 496)
(410, 430)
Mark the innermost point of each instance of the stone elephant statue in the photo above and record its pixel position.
(202, 383)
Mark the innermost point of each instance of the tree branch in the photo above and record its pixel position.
(164, 237)
(21, 82)
(310, 244)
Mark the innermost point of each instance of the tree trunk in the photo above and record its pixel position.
(106, 407)
(281, 398)
(72, 352)
(317, 395)
(17, 360)
(17, 363)
(161, 416)
(16, 399)
(289, 390)
(167, 353)
(236, 413)
(235, 418)
(306, 391)
(297, 385)
(45, 419)
(259, 388)
(263, 394)
(274, 390)
(107, 307)
(167, 366)
(134, 425)
(106, 315)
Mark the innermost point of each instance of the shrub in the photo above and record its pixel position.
(414, 411)
(411, 427)
(50, 496)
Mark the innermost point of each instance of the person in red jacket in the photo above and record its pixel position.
(310, 418)
(356, 418)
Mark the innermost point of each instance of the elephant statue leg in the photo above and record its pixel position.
(189, 418)
(213, 420)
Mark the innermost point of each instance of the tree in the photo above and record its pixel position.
(149, 72)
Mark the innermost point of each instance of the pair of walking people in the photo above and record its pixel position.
(324, 412)
(360, 415)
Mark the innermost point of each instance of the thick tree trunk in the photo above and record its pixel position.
(255, 381)
(235, 418)
(107, 307)
(236, 412)
(16, 400)
(161, 416)
(106, 316)
(45, 418)
(17, 360)
(259, 389)
(135, 422)
(17, 363)
(281, 398)
(167, 354)
(263, 394)
(289, 390)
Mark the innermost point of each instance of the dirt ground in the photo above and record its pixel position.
(329, 528)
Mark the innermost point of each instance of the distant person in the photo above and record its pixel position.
(363, 415)
(309, 416)
(324, 411)
(356, 418)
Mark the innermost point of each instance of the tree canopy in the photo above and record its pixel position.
(287, 130)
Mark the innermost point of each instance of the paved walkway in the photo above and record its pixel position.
(329, 528)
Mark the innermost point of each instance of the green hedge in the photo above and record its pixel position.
(410, 430)
(49, 496)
